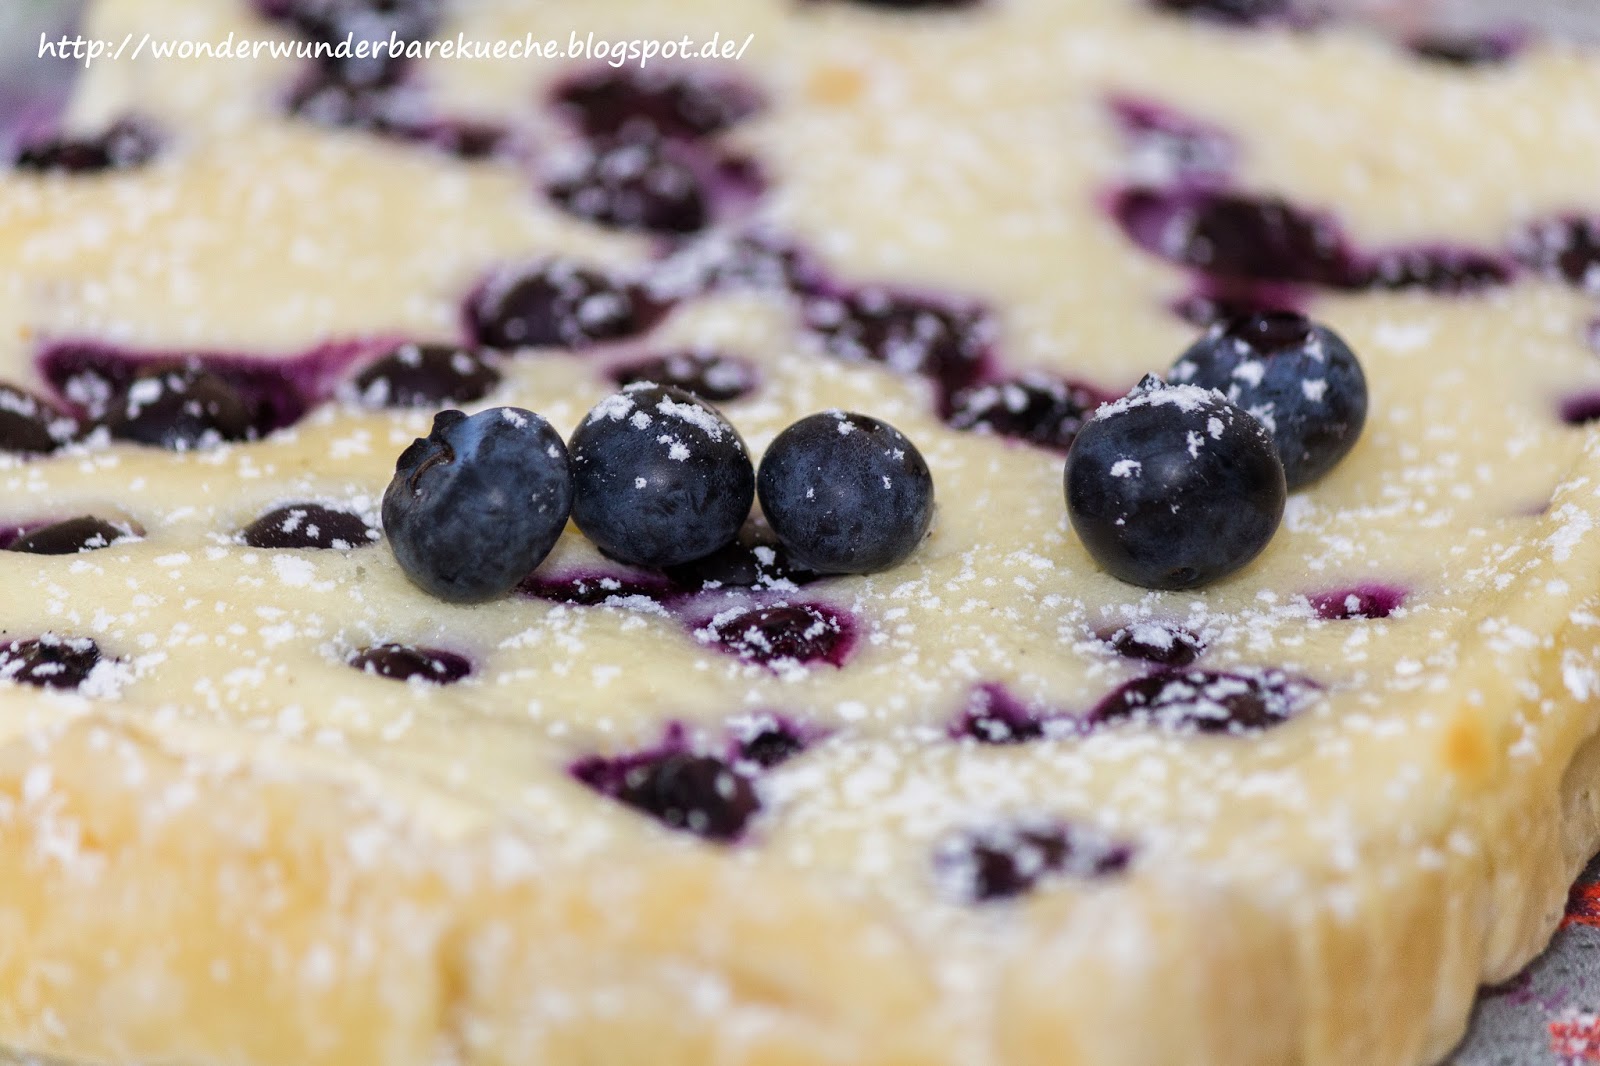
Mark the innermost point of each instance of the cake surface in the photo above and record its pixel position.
(936, 834)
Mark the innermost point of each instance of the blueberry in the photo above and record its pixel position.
(751, 260)
(426, 375)
(916, 5)
(1298, 378)
(994, 716)
(698, 794)
(845, 493)
(912, 334)
(479, 503)
(30, 425)
(70, 536)
(742, 565)
(782, 634)
(1232, 12)
(1207, 701)
(181, 407)
(1466, 50)
(124, 144)
(634, 185)
(659, 477)
(770, 743)
(593, 590)
(708, 374)
(400, 662)
(1360, 601)
(1173, 487)
(1036, 408)
(331, 21)
(1438, 269)
(1566, 248)
(308, 525)
(49, 661)
(654, 102)
(1004, 861)
(1170, 141)
(1156, 642)
(558, 304)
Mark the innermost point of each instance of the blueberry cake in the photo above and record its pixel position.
(265, 800)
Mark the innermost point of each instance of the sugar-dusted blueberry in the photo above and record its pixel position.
(181, 407)
(992, 715)
(125, 143)
(49, 661)
(477, 505)
(426, 375)
(946, 342)
(635, 185)
(1298, 378)
(1036, 407)
(308, 525)
(742, 564)
(1173, 487)
(1437, 268)
(710, 375)
(846, 493)
(1155, 642)
(30, 425)
(1207, 701)
(1566, 248)
(693, 793)
(659, 477)
(629, 103)
(719, 260)
(72, 535)
(402, 662)
(782, 634)
(769, 741)
(1166, 143)
(398, 111)
(1006, 860)
(1371, 600)
(558, 304)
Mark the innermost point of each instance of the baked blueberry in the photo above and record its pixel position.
(1233, 12)
(1567, 248)
(308, 525)
(558, 304)
(125, 143)
(651, 102)
(782, 634)
(1155, 642)
(769, 742)
(30, 425)
(993, 715)
(426, 375)
(659, 477)
(1207, 701)
(593, 590)
(331, 21)
(479, 503)
(699, 794)
(708, 374)
(1173, 487)
(49, 661)
(181, 407)
(72, 535)
(1465, 49)
(401, 662)
(948, 343)
(1004, 861)
(1298, 378)
(1037, 408)
(845, 493)
(755, 564)
(1359, 601)
(634, 185)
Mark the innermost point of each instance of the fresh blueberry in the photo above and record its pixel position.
(479, 503)
(1156, 642)
(993, 715)
(1173, 487)
(845, 493)
(1004, 861)
(558, 304)
(31, 426)
(653, 102)
(634, 185)
(698, 794)
(426, 375)
(70, 536)
(659, 477)
(1037, 408)
(49, 661)
(1231, 12)
(742, 565)
(308, 525)
(181, 407)
(708, 374)
(1298, 378)
(124, 144)
(782, 634)
(1207, 701)
(911, 334)
(400, 662)
(1360, 601)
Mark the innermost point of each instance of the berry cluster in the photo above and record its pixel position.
(655, 476)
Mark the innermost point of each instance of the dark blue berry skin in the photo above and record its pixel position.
(479, 503)
(72, 535)
(181, 408)
(1000, 862)
(654, 102)
(308, 525)
(124, 144)
(1298, 378)
(659, 477)
(845, 493)
(1173, 487)
(426, 375)
(558, 304)
(698, 794)
(401, 662)
(49, 661)
(30, 425)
